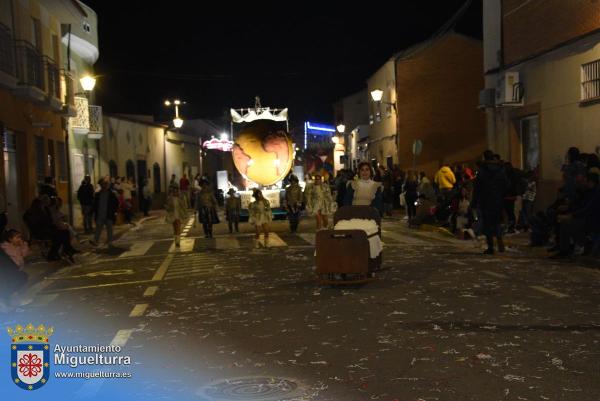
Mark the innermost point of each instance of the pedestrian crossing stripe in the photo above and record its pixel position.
(137, 249)
(185, 245)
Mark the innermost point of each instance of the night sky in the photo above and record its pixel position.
(292, 54)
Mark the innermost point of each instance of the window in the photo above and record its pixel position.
(590, 80)
(112, 168)
(130, 169)
(55, 48)
(62, 161)
(36, 33)
(530, 143)
(51, 160)
(40, 158)
(156, 176)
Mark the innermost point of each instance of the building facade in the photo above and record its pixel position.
(383, 139)
(35, 100)
(437, 85)
(352, 111)
(146, 152)
(542, 85)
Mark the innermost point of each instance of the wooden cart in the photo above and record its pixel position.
(342, 256)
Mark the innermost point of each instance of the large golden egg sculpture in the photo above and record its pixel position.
(263, 152)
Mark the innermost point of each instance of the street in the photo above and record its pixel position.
(233, 319)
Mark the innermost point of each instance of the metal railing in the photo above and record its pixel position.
(7, 51)
(95, 113)
(67, 90)
(30, 65)
(52, 77)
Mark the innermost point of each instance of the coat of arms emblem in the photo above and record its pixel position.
(30, 355)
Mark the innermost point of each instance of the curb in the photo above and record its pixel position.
(440, 230)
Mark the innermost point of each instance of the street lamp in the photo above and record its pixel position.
(341, 128)
(177, 121)
(87, 83)
(377, 95)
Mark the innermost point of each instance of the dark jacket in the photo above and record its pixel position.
(85, 194)
(590, 211)
(491, 186)
(112, 208)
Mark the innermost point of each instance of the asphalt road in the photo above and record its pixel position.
(231, 318)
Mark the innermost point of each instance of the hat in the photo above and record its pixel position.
(231, 191)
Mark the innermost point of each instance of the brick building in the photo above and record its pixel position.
(437, 86)
(542, 74)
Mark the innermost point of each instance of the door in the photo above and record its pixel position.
(142, 171)
(530, 143)
(11, 180)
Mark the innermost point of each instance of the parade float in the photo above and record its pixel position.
(263, 153)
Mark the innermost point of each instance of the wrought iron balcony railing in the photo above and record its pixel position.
(30, 65)
(7, 51)
(52, 77)
(67, 88)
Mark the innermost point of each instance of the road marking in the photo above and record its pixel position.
(271, 241)
(549, 291)
(121, 338)
(150, 291)
(138, 310)
(160, 272)
(493, 274)
(402, 238)
(308, 237)
(87, 287)
(226, 243)
(185, 245)
(137, 249)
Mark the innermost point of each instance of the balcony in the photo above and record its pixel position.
(67, 91)
(53, 79)
(95, 113)
(81, 122)
(8, 76)
(30, 72)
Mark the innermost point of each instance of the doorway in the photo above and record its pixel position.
(529, 137)
(11, 180)
(141, 180)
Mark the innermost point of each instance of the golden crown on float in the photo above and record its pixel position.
(30, 333)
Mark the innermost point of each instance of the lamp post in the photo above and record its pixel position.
(177, 121)
(341, 128)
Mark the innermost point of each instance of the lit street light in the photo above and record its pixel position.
(177, 121)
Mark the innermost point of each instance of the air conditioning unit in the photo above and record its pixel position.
(487, 98)
(509, 90)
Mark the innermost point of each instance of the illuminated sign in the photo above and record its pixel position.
(317, 129)
(223, 145)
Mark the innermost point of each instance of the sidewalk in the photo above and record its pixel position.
(38, 268)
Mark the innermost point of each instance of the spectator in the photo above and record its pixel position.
(48, 188)
(41, 225)
(12, 279)
(527, 201)
(411, 196)
(445, 180)
(489, 190)
(85, 196)
(584, 219)
(573, 172)
(106, 206)
(146, 194)
(15, 247)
